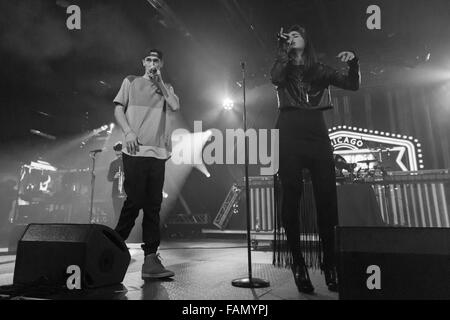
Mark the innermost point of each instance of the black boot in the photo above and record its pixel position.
(331, 279)
(301, 277)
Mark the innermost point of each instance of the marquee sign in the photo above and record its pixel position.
(394, 152)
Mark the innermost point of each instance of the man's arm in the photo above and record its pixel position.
(119, 114)
(131, 139)
(169, 94)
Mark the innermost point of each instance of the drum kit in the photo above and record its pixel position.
(46, 190)
(361, 171)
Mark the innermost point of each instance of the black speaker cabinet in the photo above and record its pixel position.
(45, 251)
(15, 233)
(393, 263)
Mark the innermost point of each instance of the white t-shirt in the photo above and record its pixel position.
(147, 115)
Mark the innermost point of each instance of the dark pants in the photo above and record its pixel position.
(144, 180)
(323, 179)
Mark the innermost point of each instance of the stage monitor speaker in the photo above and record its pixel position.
(45, 251)
(393, 263)
(15, 233)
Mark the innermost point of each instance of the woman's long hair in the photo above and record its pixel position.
(309, 54)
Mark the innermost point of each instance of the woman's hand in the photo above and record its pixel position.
(283, 40)
(282, 36)
(346, 56)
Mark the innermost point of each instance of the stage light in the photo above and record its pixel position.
(202, 168)
(111, 128)
(41, 165)
(228, 104)
(42, 134)
(100, 130)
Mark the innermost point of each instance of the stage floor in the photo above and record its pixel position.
(203, 270)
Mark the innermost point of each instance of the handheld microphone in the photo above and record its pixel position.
(153, 72)
(282, 37)
(96, 151)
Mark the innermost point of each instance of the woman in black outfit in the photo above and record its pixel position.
(304, 143)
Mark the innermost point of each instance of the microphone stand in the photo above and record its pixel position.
(248, 282)
(19, 186)
(92, 154)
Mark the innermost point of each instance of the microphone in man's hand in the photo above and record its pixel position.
(153, 72)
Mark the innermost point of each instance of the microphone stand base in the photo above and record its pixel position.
(250, 283)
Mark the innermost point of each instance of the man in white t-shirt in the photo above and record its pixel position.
(143, 107)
